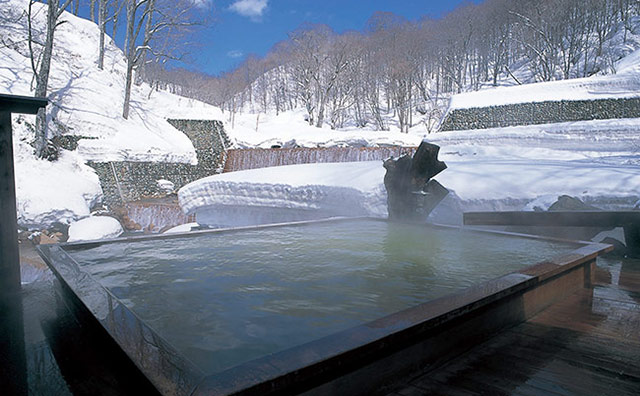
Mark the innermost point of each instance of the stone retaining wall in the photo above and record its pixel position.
(126, 181)
(540, 113)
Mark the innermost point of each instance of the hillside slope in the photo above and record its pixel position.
(86, 102)
(624, 84)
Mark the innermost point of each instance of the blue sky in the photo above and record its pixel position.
(241, 27)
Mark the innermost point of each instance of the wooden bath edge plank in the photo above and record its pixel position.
(321, 358)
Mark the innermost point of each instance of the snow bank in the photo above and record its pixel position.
(287, 193)
(596, 141)
(512, 179)
(357, 189)
(50, 192)
(630, 64)
(92, 228)
(626, 85)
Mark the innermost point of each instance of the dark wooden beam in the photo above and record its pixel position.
(628, 220)
(21, 104)
(13, 367)
(554, 219)
(9, 254)
(12, 355)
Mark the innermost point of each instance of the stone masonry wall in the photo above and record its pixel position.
(540, 113)
(127, 181)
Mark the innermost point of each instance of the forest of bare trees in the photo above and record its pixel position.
(403, 68)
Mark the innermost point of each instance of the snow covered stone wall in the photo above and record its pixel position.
(536, 113)
(126, 181)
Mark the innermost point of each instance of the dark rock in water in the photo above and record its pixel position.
(411, 194)
(619, 248)
(566, 202)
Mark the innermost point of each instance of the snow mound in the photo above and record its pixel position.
(301, 192)
(50, 192)
(503, 179)
(188, 227)
(289, 129)
(569, 140)
(630, 64)
(287, 193)
(95, 227)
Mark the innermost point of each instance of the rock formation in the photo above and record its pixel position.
(411, 193)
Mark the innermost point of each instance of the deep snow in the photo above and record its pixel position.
(287, 193)
(357, 189)
(503, 168)
(625, 84)
(94, 227)
(85, 101)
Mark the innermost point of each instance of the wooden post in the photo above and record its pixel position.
(13, 366)
(10, 263)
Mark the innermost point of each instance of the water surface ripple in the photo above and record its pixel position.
(226, 298)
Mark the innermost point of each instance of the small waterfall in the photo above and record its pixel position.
(261, 158)
(157, 216)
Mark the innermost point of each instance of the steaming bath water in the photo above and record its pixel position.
(226, 298)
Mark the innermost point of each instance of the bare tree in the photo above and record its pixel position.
(41, 65)
(92, 9)
(102, 22)
(103, 18)
(308, 53)
(116, 10)
(402, 69)
(153, 28)
(335, 63)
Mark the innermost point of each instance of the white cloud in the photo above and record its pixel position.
(235, 54)
(250, 8)
(201, 3)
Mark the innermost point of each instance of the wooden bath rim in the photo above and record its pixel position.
(359, 360)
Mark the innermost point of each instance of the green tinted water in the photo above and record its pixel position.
(225, 298)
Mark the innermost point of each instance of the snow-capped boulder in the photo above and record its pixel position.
(182, 228)
(166, 185)
(94, 227)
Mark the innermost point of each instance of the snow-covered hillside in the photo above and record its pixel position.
(511, 168)
(289, 129)
(84, 101)
(493, 168)
(624, 84)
